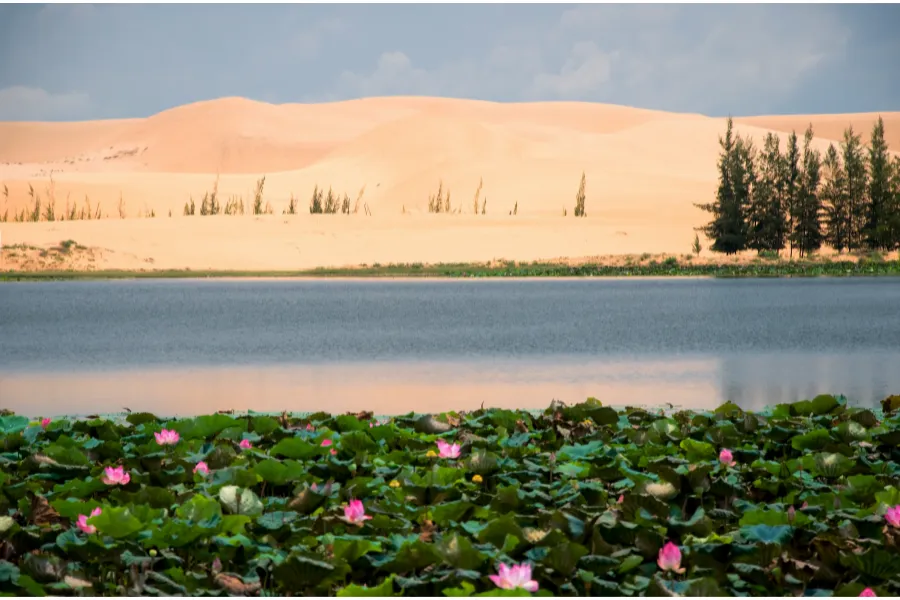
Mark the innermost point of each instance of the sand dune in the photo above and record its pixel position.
(645, 170)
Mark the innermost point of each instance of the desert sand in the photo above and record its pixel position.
(644, 172)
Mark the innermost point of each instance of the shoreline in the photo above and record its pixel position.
(457, 271)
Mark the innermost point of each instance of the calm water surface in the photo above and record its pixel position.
(188, 347)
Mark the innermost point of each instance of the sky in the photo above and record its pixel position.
(76, 62)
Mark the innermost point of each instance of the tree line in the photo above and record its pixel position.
(769, 200)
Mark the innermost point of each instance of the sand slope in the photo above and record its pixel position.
(644, 169)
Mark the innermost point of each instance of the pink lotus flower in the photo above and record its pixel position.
(726, 458)
(804, 506)
(892, 516)
(670, 558)
(44, 422)
(115, 476)
(309, 427)
(868, 593)
(326, 442)
(791, 514)
(314, 487)
(83, 524)
(166, 437)
(515, 577)
(621, 499)
(202, 468)
(355, 512)
(245, 445)
(446, 450)
(216, 565)
(333, 452)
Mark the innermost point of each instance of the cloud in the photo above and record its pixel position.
(584, 72)
(135, 60)
(699, 58)
(22, 103)
(394, 74)
(711, 59)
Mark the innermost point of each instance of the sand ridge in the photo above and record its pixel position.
(644, 169)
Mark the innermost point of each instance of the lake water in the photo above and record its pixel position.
(190, 347)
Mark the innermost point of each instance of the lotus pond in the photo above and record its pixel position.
(798, 500)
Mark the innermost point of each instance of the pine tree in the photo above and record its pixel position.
(893, 211)
(876, 229)
(727, 229)
(766, 219)
(790, 181)
(807, 234)
(856, 184)
(835, 201)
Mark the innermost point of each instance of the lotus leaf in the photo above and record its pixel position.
(586, 494)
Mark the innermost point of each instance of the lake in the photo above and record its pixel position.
(179, 347)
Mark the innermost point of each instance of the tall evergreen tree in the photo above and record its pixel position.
(766, 218)
(893, 211)
(727, 229)
(790, 181)
(856, 184)
(876, 229)
(722, 228)
(835, 201)
(807, 234)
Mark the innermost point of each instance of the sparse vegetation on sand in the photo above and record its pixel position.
(800, 500)
(580, 198)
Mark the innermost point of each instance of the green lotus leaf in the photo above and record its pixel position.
(495, 531)
(358, 442)
(876, 563)
(564, 557)
(117, 522)
(385, 588)
(278, 472)
(302, 570)
(581, 451)
(350, 549)
(767, 534)
(697, 451)
(772, 518)
(851, 431)
(205, 427)
(825, 464)
(464, 590)
(295, 448)
(263, 425)
(820, 405)
(12, 424)
(411, 556)
(444, 514)
(814, 440)
(483, 463)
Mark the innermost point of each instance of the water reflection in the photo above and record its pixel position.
(395, 387)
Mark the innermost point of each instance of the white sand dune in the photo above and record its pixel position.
(645, 170)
